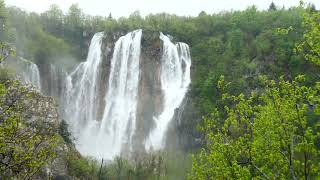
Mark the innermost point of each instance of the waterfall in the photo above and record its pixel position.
(54, 83)
(30, 73)
(119, 119)
(80, 93)
(118, 103)
(33, 76)
(100, 97)
(175, 79)
(106, 137)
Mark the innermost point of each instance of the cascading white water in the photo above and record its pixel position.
(175, 79)
(111, 132)
(119, 119)
(30, 73)
(80, 93)
(54, 75)
(104, 138)
(104, 129)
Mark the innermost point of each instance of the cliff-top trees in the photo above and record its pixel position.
(53, 20)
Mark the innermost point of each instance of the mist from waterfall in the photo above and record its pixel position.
(175, 79)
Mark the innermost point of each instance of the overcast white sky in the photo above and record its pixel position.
(120, 8)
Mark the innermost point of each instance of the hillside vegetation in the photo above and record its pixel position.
(254, 92)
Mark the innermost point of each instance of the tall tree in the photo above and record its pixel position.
(74, 22)
(53, 20)
(272, 7)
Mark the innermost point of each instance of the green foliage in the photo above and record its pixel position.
(268, 135)
(311, 44)
(6, 51)
(3, 20)
(27, 137)
(273, 133)
(5, 74)
(156, 165)
(64, 132)
(32, 42)
(84, 168)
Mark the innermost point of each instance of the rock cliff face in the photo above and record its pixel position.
(182, 134)
(150, 97)
(157, 119)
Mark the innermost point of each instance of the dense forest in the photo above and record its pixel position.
(254, 91)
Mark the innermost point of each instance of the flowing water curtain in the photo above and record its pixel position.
(175, 80)
(81, 86)
(30, 73)
(119, 119)
(112, 134)
(94, 136)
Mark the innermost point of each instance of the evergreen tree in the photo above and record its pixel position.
(272, 7)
